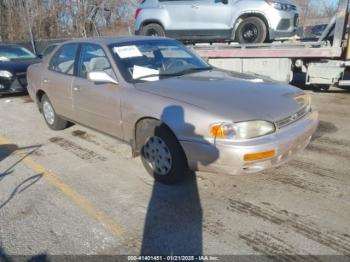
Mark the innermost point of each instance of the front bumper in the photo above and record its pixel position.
(228, 157)
(16, 84)
(283, 24)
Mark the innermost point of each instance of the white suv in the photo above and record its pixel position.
(245, 21)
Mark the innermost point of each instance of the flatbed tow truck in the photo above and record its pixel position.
(324, 61)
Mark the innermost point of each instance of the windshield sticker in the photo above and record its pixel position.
(4, 58)
(145, 73)
(127, 51)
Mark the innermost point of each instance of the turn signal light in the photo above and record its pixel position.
(224, 131)
(217, 131)
(260, 155)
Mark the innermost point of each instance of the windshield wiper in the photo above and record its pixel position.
(184, 72)
(192, 70)
(154, 75)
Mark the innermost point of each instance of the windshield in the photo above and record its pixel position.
(8, 53)
(155, 59)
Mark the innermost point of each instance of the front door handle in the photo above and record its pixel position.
(195, 6)
(76, 88)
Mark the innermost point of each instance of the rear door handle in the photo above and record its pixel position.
(76, 88)
(195, 6)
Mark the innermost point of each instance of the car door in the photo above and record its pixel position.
(180, 14)
(213, 15)
(96, 105)
(58, 79)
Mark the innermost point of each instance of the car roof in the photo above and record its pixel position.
(114, 40)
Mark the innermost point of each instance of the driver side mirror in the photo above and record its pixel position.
(101, 77)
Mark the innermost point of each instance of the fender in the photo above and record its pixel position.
(152, 21)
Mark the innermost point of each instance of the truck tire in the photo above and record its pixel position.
(161, 153)
(152, 30)
(54, 121)
(251, 30)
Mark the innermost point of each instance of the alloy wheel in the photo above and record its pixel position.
(250, 33)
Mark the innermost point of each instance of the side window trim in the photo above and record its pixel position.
(77, 60)
(80, 58)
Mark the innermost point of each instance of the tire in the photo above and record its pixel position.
(169, 164)
(152, 30)
(321, 88)
(251, 30)
(54, 121)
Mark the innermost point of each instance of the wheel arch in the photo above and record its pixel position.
(151, 21)
(39, 95)
(136, 144)
(245, 15)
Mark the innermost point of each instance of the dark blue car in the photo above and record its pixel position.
(14, 61)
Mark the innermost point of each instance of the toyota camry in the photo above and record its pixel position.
(175, 110)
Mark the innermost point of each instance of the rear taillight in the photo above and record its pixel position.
(137, 13)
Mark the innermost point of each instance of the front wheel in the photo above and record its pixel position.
(54, 121)
(162, 154)
(251, 30)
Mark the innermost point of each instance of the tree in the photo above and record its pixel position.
(62, 18)
(311, 10)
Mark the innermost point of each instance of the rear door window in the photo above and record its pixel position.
(64, 59)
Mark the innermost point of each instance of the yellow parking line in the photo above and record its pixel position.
(78, 199)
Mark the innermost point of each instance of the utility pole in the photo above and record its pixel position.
(29, 26)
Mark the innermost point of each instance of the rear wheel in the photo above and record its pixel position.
(251, 30)
(161, 153)
(152, 30)
(54, 121)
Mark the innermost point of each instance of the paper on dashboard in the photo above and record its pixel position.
(140, 71)
(127, 51)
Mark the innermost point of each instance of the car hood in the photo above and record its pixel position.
(233, 96)
(18, 66)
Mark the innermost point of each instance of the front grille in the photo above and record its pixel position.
(284, 24)
(293, 118)
(293, 7)
(23, 81)
(22, 78)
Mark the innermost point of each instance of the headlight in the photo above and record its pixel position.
(304, 100)
(5, 74)
(280, 6)
(277, 5)
(242, 130)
